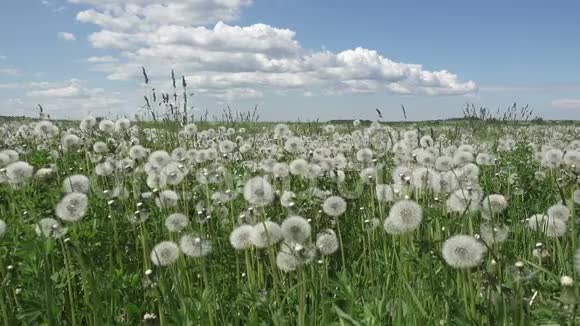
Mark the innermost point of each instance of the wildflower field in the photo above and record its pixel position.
(124, 223)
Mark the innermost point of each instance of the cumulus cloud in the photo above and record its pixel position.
(567, 103)
(104, 59)
(9, 71)
(9, 86)
(222, 59)
(66, 36)
(145, 14)
(62, 99)
(73, 88)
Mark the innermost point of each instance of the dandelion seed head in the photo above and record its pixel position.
(88, 123)
(76, 183)
(72, 207)
(167, 199)
(405, 216)
(165, 253)
(327, 242)
(50, 228)
(69, 142)
(296, 229)
(19, 172)
(122, 125)
(286, 261)
(159, 159)
(2, 228)
(107, 126)
(494, 204)
(176, 222)
(559, 211)
(463, 251)
(138, 152)
(299, 167)
(241, 237)
(258, 191)
(265, 234)
(494, 234)
(195, 247)
(364, 155)
(334, 206)
(280, 170)
(462, 157)
(227, 146)
(100, 147)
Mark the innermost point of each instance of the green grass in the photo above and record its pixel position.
(101, 273)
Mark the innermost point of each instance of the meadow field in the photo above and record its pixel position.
(470, 222)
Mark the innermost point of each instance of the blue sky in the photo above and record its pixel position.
(297, 59)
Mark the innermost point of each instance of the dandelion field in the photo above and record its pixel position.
(121, 223)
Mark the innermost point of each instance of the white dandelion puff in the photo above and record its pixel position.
(76, 183)
(227, 146)
(167, 199)
(176, 222)
(87, 123)
(294, 145)
(138, 152)
(165, 253)
(195, 247)
(241, 237)
(265, 234)
(464, 201)
(463, 251)
(299, 167)
(552, 227)
(100, 147)
(327, 242)
(493, 234)
(287, 198)
(50, 228)
(19, 172)
(72, 207)
(107, 126)
(296, 229)
(364, 155)
(494, 204)
(559, 211)
(280, 170)
(2, 228)
(286, 260)
(334, 206)
(258, 191)
(122, 125)
(405, 215)
(159, 159)
(69, 142)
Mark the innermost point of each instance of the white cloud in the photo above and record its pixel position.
(66, 36)
(68, 91)
(3, 57)
(126, 14)
(12, 72)
(72, 88)
(105, 59)
(537, 87)
(64, 99)
(9, 86)
(191, 37)
(567, 103)
(53, 6)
